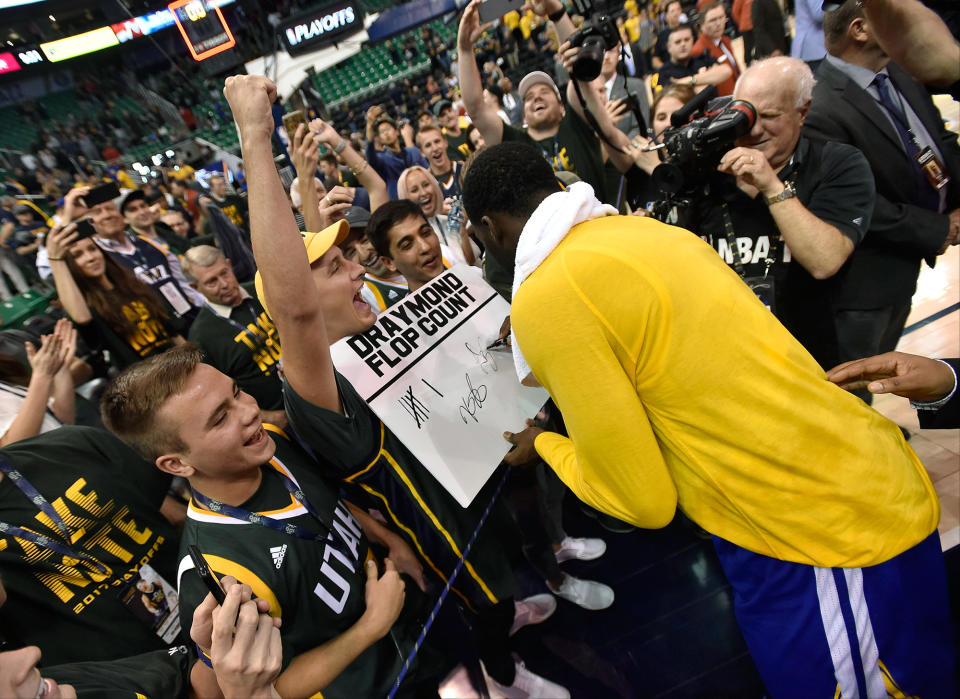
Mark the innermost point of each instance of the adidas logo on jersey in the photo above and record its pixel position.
(278, 552)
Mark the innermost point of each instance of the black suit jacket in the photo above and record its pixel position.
(883, 270)
(947, 417)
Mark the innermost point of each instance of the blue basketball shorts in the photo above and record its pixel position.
(856, 633)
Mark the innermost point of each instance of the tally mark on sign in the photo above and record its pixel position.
(417, 409)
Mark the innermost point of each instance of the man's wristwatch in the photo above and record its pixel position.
(789, 192)
(693, 80)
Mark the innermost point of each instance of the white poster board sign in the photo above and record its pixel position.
(425, 370)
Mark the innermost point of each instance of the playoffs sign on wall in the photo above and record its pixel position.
(425, 369)
(310, 31)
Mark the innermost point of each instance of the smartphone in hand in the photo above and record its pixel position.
(207, 575)
(292, 120)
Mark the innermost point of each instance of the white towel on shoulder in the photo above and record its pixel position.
(545, 228)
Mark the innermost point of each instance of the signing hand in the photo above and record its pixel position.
(908, 375)
(384, 599)
(750, 167)
(251, 98)
(523, 453)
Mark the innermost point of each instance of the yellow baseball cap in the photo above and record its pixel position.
(317, 245)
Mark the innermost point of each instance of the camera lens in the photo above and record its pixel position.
(589, 60)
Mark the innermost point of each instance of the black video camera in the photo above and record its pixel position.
(598, 35)
(696, 143)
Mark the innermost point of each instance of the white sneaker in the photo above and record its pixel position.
(526, 685)
(580, 549)
(584, 593)
(532, 610)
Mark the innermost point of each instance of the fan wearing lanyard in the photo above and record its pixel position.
(64, 548)
(287, 528)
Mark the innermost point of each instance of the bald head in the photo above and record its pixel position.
(781, 73)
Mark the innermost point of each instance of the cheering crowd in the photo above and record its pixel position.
(216, 512)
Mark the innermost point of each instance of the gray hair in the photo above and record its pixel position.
(786, 68)
(199, 256)
(295, 191)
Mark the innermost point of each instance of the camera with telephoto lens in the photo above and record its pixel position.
(598, 35)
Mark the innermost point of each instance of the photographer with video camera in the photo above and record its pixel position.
(562, 135)
(784, 211)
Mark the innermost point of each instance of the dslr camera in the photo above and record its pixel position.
(598, 35)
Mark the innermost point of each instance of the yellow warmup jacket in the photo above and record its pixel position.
(678, 386)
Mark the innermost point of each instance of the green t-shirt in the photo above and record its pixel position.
(161, 674)
(575, 148)
(110, 499)
(247, 349)
(362, 452)
(316, 588)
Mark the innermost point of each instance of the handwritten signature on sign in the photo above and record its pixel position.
(473, 401)
(483, 356)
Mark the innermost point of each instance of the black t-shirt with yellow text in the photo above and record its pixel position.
(246, 349)
(110, 500)
(148, 335)
(575, 148)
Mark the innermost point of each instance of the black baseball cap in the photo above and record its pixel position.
(135, 195)
(440, 106)
(22, 209)
(357, 217)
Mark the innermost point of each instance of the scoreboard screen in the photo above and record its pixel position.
(203, 28)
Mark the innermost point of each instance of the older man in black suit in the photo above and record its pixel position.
(863, 99)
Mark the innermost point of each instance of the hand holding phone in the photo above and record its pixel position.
(292, 120)
(107, 191)
(492, 10)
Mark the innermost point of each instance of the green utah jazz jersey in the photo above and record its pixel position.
(317, 588)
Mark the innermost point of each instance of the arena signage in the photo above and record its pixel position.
(426, 370)
(8, 63)
(313, 30)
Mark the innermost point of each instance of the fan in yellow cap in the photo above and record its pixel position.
(317, 245)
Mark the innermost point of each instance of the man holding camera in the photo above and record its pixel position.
(562, 135)
(784, 211)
